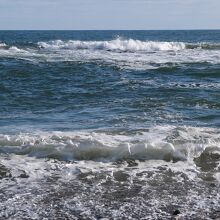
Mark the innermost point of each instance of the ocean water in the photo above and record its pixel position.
(109, 124)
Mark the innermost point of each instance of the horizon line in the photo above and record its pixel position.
(190, 29)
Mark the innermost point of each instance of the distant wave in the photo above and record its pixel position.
(123, 53)
(129, 45)
(117, 45)
(114, 45)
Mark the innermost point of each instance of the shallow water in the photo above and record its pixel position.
(109, 124)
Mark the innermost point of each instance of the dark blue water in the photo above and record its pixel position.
(77, 106)
(68, 93)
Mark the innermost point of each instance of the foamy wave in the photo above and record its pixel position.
(125, 54)
(20, 53)
(3, 45)
(5, 50)
(17, 50)
(164, 143)
(115, 45)
(129, 45)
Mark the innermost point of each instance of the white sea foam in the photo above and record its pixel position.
(29, 177)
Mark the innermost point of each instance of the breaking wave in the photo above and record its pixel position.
(129, 45)
(163, 143)
(125, 54)
(117, 45)
(114, 45)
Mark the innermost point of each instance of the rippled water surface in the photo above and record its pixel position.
(109, 124)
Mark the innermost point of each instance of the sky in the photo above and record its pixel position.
(109, 14)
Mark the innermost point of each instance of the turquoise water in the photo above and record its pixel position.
(112, 124)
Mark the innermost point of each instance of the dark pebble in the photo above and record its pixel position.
(176, 212)
(213, 185)
(23, 175)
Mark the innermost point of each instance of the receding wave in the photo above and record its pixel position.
(164, 143)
